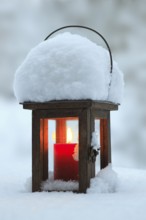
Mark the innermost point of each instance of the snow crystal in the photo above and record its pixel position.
(68, 66)
(106, 181)
(94, 140)
(58, 185)
(53, 185)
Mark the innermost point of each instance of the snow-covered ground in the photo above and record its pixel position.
(17, 202)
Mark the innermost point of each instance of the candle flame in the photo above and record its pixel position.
(69, 135)
(54, 136)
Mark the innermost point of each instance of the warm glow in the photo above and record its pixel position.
(54, 136)
(69, 135)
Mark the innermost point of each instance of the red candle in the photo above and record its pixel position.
(65, 166)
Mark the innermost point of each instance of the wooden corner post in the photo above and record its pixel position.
(39, 150)
(105, 141)
(84, 142)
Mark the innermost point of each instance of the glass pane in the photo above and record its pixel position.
(66, 150)
(63, 136)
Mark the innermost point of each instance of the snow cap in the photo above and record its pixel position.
(69, 67)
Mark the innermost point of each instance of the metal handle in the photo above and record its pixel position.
(84, 27)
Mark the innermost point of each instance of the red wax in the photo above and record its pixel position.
(65, 167)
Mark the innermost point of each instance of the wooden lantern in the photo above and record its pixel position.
(86, 111)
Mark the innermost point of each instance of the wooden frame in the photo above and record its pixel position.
(86, 111)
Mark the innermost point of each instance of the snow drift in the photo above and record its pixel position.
(68, 66)
(106, 181)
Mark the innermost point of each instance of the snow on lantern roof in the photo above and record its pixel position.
(68, 67)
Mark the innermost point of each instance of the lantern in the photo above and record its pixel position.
(84, 113)
(64, 129)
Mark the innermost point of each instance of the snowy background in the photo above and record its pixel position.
(24, 24)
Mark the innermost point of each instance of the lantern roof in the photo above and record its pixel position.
(68, 67)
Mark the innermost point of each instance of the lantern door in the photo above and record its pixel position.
(62, 153)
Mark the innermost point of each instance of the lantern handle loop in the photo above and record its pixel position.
(84, 27)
